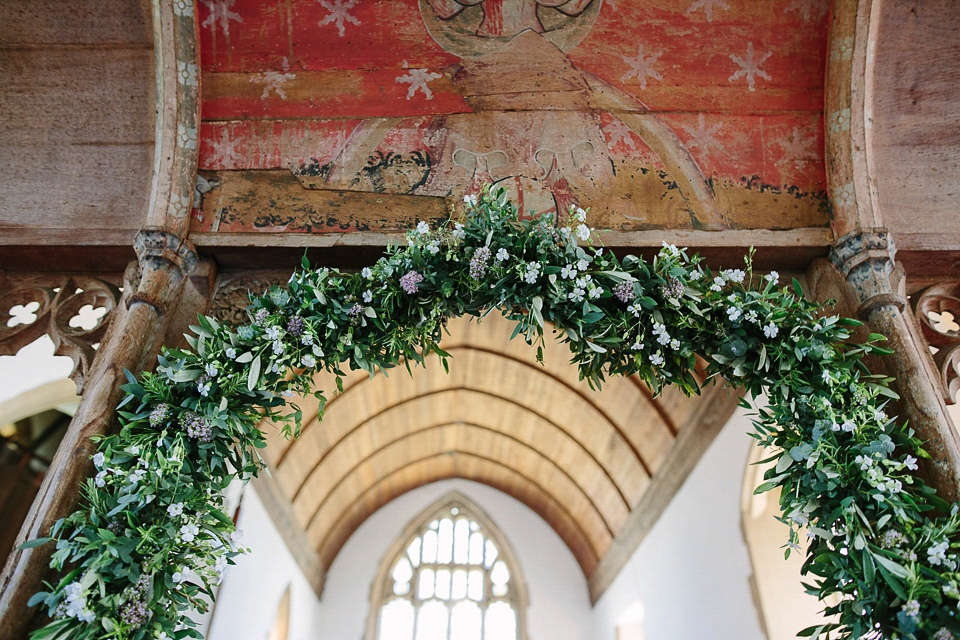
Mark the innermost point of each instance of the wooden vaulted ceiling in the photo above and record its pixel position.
(581, 459)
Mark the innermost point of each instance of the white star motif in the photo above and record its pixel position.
(708, 7)
(220, 13)
(797, 149)
(641, 67)
(750, 67)
(703, 136)
(418, 79)
(809, 9)
(620, 132)
(339, 14)
(224, 151)
(273, 81)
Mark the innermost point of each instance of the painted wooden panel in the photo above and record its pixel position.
(704, 114)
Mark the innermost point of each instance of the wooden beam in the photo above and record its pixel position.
(281, 513)
(692, 442)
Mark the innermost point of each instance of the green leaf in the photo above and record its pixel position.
(36, 542)
(253, 378)
(186, 375)
(245, 357)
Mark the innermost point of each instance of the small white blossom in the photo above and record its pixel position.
(568, 272)
(771, 330)
(734, 275)
(101, 479)
(188, 532)
(470, 200)
(308, 361)
(826, 376)
(637, 346)
(752, 316)
(937, 554)
(434, 247)
(580, 214)
(368, 296)
(718, 283)
(136, 476)
(231, 353)
(674, 344)
(99, 459)
(366, 272)
(211, 370)
(306, 338)
(273, 333)
(865, 462)
(135, 450)
(733, 313)
(203, 388)
(656, 359)
(583, 232)
(278, 347)
(582, 264)
(835, 427)
(179, 576)
(848, 426)
(175, 509)
(670, 249)
(634, 309)
(423, 227)
(458, 231)
(910, 463)
(773, 276)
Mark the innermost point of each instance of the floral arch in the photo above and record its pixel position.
(150, 539)
(452, 563)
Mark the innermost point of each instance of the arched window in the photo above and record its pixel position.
(450, 576)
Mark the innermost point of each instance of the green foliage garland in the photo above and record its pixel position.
(150, 541)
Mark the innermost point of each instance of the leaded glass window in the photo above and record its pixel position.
(451, 576)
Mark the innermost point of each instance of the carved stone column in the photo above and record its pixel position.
(132, 341)
(866, 259)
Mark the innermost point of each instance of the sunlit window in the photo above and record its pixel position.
(451, 576)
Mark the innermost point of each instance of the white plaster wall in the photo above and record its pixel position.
(33, 366)
(251, 590)
(692, 571)
(559, 603)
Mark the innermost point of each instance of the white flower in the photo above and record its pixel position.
(910, 463)
(835, 427)
(203, 388)
(211, 370)
(848, 426)
(136, 476)
(179, 576)
(583, 232)
(86, 616)
(368, 296)
(135, 450)
(273, 333)
(502, 254)
(937, 554)
(582, 264)
(718, 283)
(752, 316)
(896, 486)
(458, 231)
(98, 459)
(634, 309)
(656, 359)
(595, 292)
(773, 276)
(470, 200)
(188, 532)
(637, 346)
(423, 227)
(825, 376)
(670, 249)
(288, 393)
(576, 295)
(434, 247)
(306, 338)
(101, 478)
(864, 462)
(771, 330)
(278, 346)
(367, 272)
(175, 509)
(674, 344)
(733, 313)
(308, 361)
(580, 214)
(734, 275)
(231, 353)
(568, 272)
(221, 564)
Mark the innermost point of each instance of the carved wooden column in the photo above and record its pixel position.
(132, 341)
(866, 259)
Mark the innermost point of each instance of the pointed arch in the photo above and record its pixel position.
(467, 548)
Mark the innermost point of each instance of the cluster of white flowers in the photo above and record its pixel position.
(669, 250)
(660, 331)
(937, 555)
(532, 272)
(75, 603)
(734, 275)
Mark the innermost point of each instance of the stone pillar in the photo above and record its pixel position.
(866, 260)
(135, 335)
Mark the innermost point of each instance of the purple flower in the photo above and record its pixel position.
(196, 426)
(260, 316)
(159, 415)
(410, 281)
(295, 326)
(478, 263)
(673, 288)
(624, 291)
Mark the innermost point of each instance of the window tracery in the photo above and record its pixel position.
(450, 576)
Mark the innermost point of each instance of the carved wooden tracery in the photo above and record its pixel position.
(34, 305)
(937, 310)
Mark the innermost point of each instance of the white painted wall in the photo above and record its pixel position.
(33, 366)
(692, 571)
